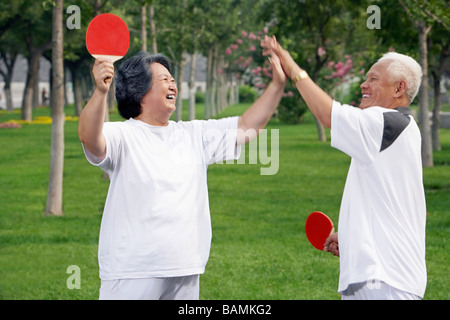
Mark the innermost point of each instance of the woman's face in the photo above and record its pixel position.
(160, 100)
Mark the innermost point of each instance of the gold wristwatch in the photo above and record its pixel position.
(300, 76)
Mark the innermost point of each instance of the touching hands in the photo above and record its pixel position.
(278, 75)
(272, 47)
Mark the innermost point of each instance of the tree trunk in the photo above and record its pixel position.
(436, 122)
(77, 92)
(232, 85)
(9, 59)
(320, 130)
(111, 95)
(180, 75)
(9, 102)
(55, 186)
(214, 71)
(424, 118)
(222, 83)
(32, 75)
(143, 27)
(192, 87)
(151, 22)
(437, 73)
(209, 85)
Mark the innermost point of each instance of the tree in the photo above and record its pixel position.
(9, 46)
(178, 37)
(441, 48)
(55, 185)
(221, 25)
(143, 15)
(423, 14)
(439, 54)
(37, 38)
(8, 57)
(191, 86)
(316, 32)
(152, 24)
(76, 57)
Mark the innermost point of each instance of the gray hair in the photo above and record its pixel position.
(405, 68)
(133, 80)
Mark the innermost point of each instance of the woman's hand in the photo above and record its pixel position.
(103, 72)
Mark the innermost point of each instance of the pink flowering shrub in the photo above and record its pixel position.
(9, 125)
(247, 63)
(292, 107)
(338, 73)
(245, 60)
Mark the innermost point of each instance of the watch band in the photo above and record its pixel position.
(300, 76)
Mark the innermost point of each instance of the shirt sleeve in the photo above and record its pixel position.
(113, 139)
(219, 140)
(356, 132)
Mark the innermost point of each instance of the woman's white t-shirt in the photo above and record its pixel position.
(156, 220)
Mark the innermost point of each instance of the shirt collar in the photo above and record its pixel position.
(404, 110)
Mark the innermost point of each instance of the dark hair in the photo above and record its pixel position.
(133, 80)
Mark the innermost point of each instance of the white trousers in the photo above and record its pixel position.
(174, 288)
(376, 291)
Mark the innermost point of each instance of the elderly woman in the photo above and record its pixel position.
(155, 233)
(381, 240)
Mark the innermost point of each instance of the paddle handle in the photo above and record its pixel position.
(111, 58)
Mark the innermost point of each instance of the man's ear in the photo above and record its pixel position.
(400, 88)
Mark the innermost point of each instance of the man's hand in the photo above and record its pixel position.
(332, 244)
(271, 47)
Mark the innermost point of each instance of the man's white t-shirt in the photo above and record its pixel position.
(383, 211)
(156, 220)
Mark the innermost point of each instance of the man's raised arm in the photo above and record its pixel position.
(318, 101)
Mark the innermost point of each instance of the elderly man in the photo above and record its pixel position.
(381, 240)
(155, 234)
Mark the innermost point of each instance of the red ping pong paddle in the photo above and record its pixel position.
(318, 228)
(107, 36)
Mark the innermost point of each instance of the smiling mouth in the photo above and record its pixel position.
(366, 96)
(170, 97)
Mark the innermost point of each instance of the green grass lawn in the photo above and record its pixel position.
(259, 248)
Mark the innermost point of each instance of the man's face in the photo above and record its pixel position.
(162, 95)
(378, 89)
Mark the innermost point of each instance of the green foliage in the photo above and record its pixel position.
(247, 94)
(292, 107)
(199, 97)
(353, 95)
